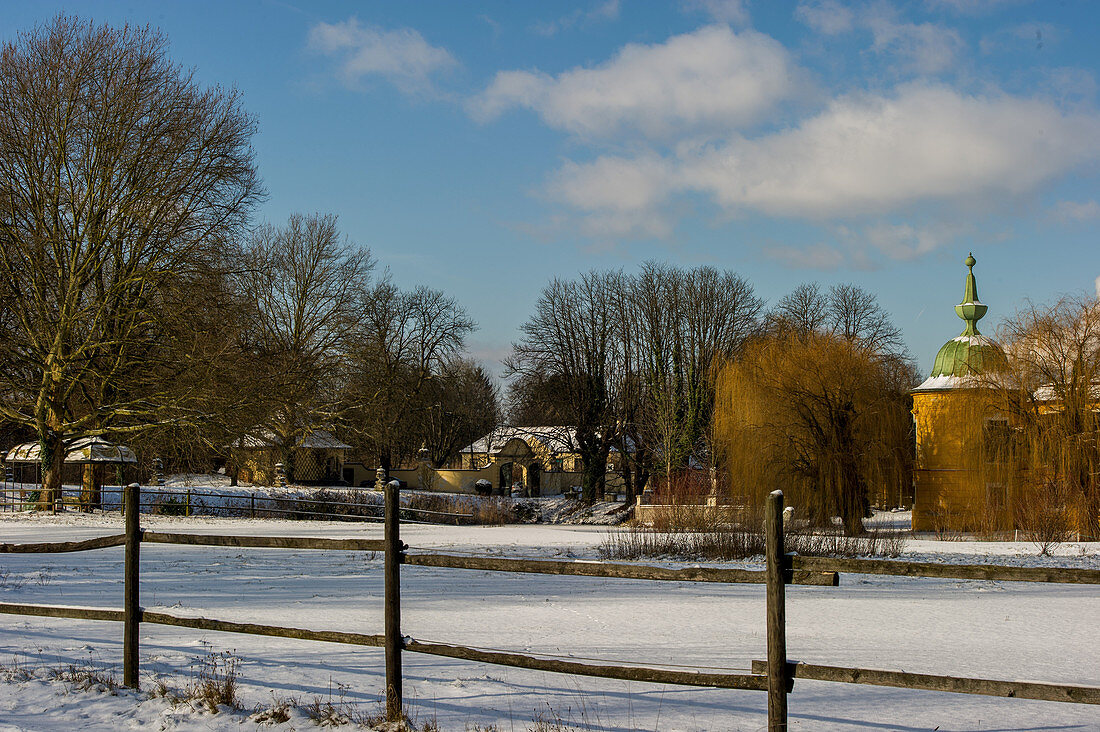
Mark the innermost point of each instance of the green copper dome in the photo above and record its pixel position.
(971, 352)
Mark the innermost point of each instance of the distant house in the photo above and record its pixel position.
(526, 453)
(317, 458)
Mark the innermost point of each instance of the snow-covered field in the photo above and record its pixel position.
(969, 628)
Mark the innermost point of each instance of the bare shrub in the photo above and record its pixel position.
(83, 678)
(1043, 513)
(214, 681)
(8, 581)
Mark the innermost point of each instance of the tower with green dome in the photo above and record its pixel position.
(949, 413)
(970, 352)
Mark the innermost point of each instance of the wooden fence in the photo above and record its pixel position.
(776, 675)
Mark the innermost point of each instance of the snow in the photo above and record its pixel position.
(1044, 632)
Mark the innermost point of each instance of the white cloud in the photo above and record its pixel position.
(400, 56)
(826, 16)
(723, 11)
(925, 48)
(1077, 211)
(1098, 288)
(603, 11)
(908, 241)
(971, 7)
(712, 78)
(863, 156)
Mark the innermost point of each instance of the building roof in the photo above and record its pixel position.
(555, 439)
(970, 353)
(315, 440)
(83, 450)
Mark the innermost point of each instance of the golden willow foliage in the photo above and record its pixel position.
(1042, 442)
(820, 416)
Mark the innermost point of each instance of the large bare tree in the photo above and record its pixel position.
(309, 288)
(679, 325)
(120, 176)
(407, 338)
(572, 339)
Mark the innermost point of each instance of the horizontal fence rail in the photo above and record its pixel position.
(498, 658)
(58, 547)
(935, 682)
(560, 666)
(776, 675)
(265, 542)
(624, 571)
(992, 572)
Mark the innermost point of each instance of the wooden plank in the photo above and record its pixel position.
(266, 542)
(949, 571)
(131, 605)
(628, 673)
(935, 682)
(605, 569)
(59, 611)
(392, 603)
(278, 631)
(776, 566)
(100, 542)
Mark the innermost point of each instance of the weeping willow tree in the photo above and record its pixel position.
(823, 417)
(1043, 441)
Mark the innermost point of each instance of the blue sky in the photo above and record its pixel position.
(482, 148)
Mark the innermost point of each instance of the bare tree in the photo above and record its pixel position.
(1047, 389)
(119, 177)
(685, 322)
(406, 339)
(571, 338)
(308, 287)
(847, 311)
(460, 405)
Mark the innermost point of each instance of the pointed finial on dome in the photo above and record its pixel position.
(970, 309)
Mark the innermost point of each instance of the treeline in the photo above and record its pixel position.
(685, 368)
(140, 301)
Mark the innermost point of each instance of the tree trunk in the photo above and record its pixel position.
(89, 492)
(594, 473)
(53, 460)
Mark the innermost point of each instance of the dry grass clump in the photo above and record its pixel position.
(214, 681)
(85, 679)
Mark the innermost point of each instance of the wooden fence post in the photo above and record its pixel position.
(777, 631)
(130, 602)
(392, 572)
(252, 510)
(187, 508)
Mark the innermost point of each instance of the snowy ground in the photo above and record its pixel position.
(969, 628)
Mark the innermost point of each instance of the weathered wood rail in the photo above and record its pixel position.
(991, 572)
(935, 682)
(621, 571)
(776, 675)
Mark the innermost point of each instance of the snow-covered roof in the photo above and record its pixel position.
(556, 439)
(316, 440)
(553, 438)
(946, 381)
(83, 450)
